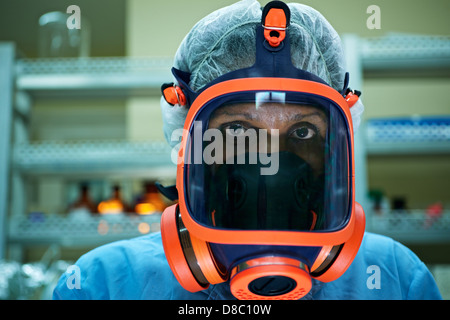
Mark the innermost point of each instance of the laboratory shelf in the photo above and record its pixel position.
(405, 51)
(85, 77)
(79, 230)
(412, 135)
(412, 226)
(75, 157)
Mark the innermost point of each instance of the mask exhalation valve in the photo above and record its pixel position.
(272, 286)
(270, 278)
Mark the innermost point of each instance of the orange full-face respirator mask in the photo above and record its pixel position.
(265, 176)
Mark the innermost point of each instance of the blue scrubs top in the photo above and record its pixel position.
(138, 269)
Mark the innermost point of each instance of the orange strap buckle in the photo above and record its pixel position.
(352, 97)
(174, 95)
(275, 26)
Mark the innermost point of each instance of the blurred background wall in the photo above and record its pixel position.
(154, 29)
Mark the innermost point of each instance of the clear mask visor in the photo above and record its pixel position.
(269, 161)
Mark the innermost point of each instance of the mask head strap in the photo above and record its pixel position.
(271, 60)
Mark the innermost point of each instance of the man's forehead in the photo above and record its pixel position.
(267, 111)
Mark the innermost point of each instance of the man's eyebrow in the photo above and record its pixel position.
(253, 116)
(245, 115)
(319, 114)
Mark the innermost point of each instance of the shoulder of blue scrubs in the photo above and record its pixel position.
(129, 269)
(383, 269)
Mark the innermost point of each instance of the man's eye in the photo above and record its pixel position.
(235, 129)
(304, 133)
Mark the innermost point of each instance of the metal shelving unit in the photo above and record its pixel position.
(84, 77)
(72, 78)
(397, 51)
(410, 136)
(79, 231)
(7, 55)
(413, 226)
(414, 135)
(426, 135)
(91, 157)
